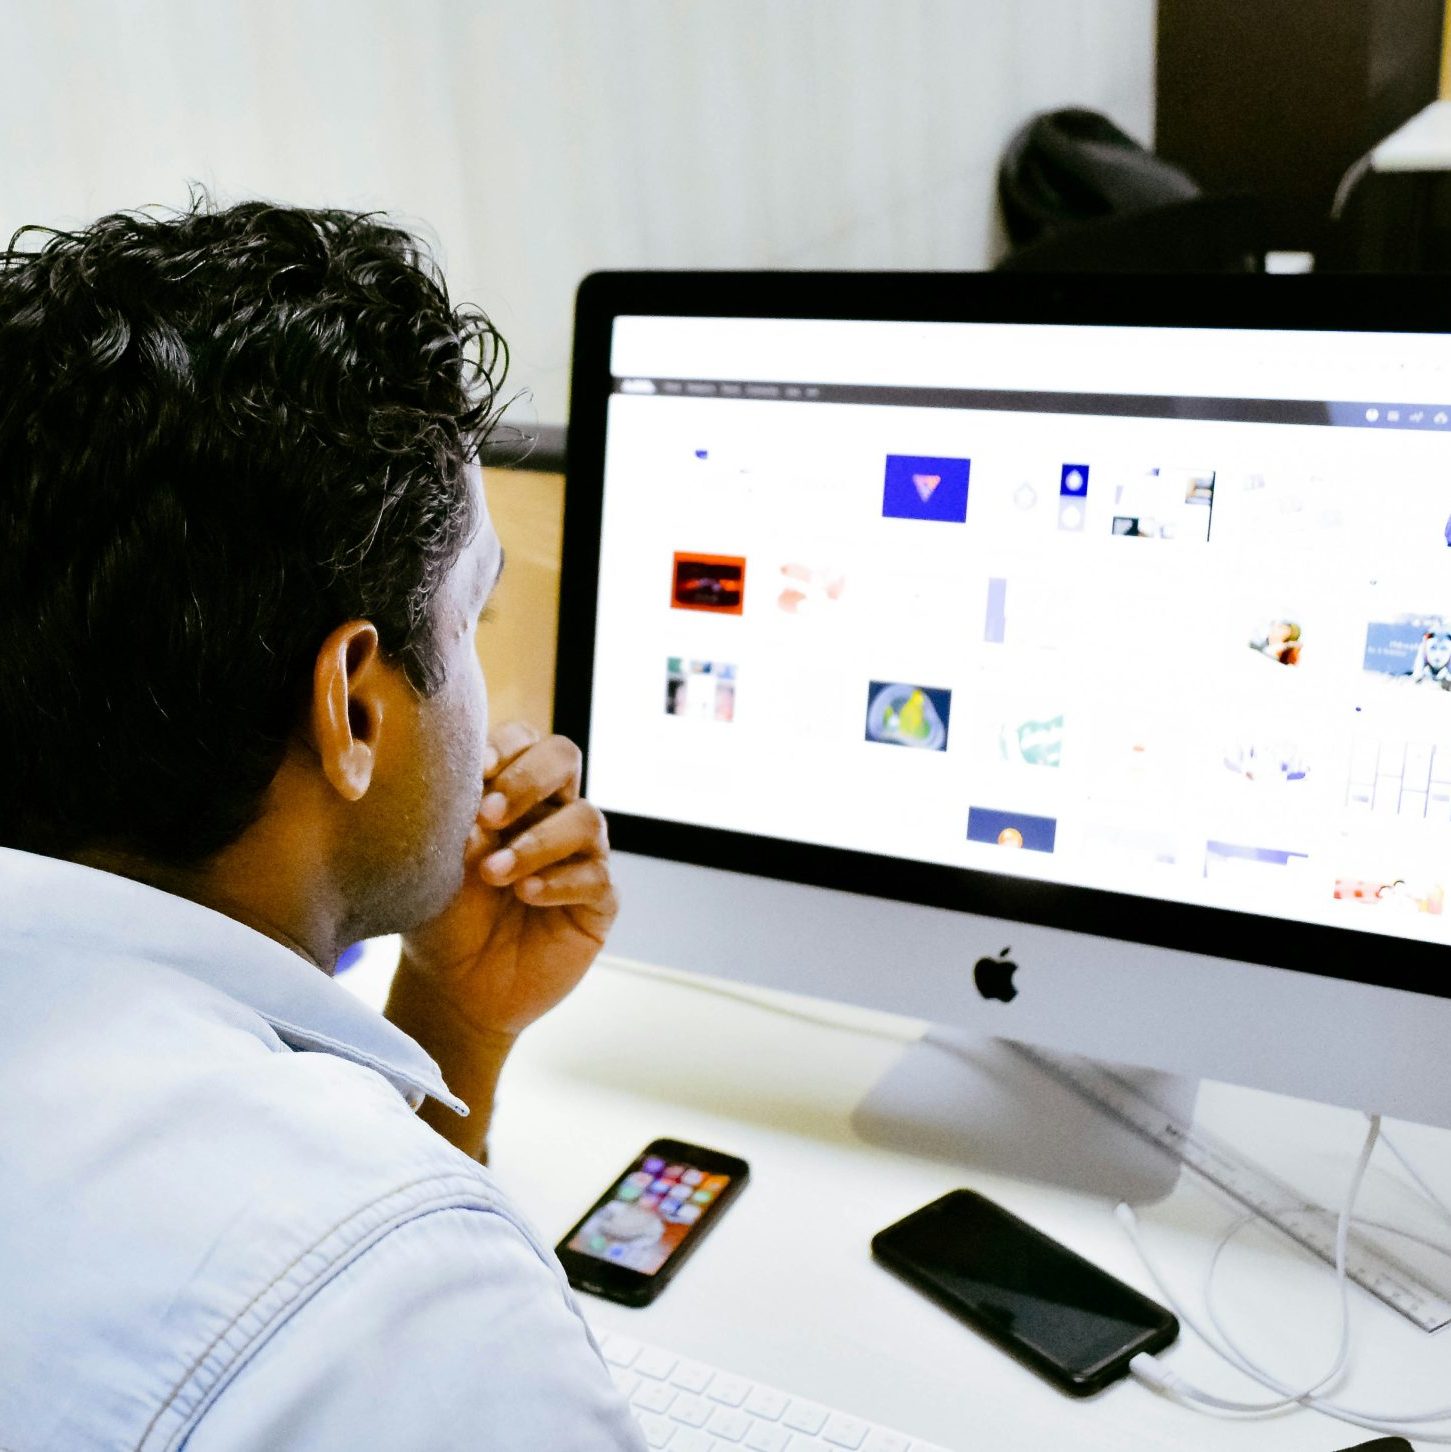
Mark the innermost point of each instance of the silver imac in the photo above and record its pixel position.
(1063, 661)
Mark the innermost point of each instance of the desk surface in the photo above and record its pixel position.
(785, 1290)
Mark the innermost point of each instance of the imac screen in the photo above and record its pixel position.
(1160, 614)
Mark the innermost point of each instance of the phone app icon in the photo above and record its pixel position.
(640, 1177)
(716, 1183)
(597, 1243)
(617, 1251)
(674, 1172)
(649, 1202)
(691, 1177)
(629, 1192)
(653, 1165)
(662, 1186)
(688, 1214)
(702, 1197)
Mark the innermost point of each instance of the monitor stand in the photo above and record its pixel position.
(986, 1104)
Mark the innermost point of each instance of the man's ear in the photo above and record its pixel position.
(347, 706)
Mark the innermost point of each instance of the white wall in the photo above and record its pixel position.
(541, 139)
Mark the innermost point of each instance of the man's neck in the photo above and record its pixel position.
(208, 886)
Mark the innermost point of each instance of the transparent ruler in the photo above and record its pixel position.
(1272, 1199)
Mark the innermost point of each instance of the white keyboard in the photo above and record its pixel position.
(687, 1407)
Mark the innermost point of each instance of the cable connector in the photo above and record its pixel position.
(1147, 1368)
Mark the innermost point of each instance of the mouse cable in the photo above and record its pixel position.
(1149, 1370)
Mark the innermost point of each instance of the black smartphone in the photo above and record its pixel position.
(638, 1234)
(1056, 1312)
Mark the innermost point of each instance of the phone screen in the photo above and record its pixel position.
(1062, 1314)
(654, 1208)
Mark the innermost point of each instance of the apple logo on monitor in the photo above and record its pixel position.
(994, 977)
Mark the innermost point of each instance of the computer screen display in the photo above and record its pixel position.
(1140, 629)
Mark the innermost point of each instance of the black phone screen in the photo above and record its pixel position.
(1065, 1317)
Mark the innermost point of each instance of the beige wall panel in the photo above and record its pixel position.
(516, 645)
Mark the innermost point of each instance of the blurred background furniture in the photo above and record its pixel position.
(1289, 134)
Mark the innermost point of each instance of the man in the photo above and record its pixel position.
(243, 553)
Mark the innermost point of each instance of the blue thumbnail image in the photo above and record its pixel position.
(902, 714)
(1239, 852)
(1011, 829)
(1395, 647)
(1073, 481)
(994, 629)
(918, 487)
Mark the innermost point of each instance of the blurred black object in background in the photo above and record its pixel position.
(1078, 195)
(1067, 168)
(1267, 113)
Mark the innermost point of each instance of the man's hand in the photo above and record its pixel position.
(536, 902)
(537, 899)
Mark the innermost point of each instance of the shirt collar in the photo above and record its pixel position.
(45, 899)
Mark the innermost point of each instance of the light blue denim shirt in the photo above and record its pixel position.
(221, 1224)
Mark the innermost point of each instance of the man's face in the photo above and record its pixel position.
(406, 864)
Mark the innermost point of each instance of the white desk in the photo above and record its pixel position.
(785, 1290)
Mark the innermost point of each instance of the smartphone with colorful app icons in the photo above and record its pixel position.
(639, 1233)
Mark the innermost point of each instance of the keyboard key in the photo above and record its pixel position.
(691, 1410)
(804, 1416)
(620, 1350)
(687, 1439)
(844, 1431)
(653, 1396)
(656, 1429)
(729, 1423)
(732, 1390)
(627, 1382)
(766, 1437)
(652, 1361)
(766, 1402)
(883, 1441)
(691, 1376)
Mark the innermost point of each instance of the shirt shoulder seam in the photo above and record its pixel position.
(209, 1370)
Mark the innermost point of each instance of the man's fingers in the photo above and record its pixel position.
(539, 771)
(575, 830)
(509, 741)
(571, 884)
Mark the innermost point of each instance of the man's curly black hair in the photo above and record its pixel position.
(223, 432)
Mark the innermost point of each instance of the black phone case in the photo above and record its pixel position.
(887, 1254)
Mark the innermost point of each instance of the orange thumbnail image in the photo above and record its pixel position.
(1407, 896)
(716, 583)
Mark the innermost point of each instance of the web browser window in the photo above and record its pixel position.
(1165, 612)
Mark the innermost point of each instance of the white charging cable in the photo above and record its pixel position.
(1374, 1417)
(1152, 1372)
(1288, 1397)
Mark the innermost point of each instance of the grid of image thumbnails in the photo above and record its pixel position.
(1406, 779)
